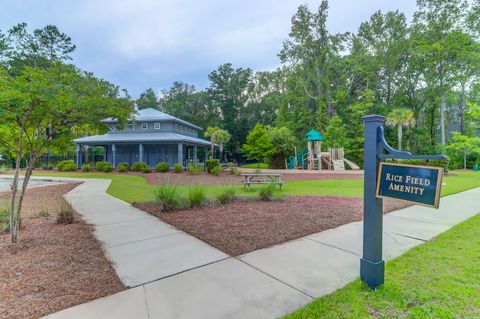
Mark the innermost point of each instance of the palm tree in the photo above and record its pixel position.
(399, 118)
(217, 136)
(221, 137)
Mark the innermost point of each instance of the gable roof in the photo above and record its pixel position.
(160, 137)
(314, 136)
(150, 114)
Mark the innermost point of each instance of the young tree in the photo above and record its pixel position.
(42, 107)
(463, 145)
(336, 133)
(399, 118)
(284, 141)
(148, 99)
(258, 145)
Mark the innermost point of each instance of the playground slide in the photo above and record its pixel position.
(352, 165)
(338, 165)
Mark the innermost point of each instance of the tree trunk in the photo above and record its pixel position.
(464, 160)
(442, 122)
(220, 146)
(13, 228)
(211, 148)
(400, 133)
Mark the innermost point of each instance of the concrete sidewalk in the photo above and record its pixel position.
(266, 283)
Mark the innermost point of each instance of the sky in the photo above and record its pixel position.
(138, 44)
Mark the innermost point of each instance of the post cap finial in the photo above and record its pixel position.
(374, 118)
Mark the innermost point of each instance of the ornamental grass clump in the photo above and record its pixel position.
(66, 214)
(194, 170)
(266, 193)
(217, 170)
(87, 168)
(196, 196)
(227, 196)
(4, 219)
(167, 197)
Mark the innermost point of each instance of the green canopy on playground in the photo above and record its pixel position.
(314, 136)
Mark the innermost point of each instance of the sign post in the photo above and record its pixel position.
(372, 265)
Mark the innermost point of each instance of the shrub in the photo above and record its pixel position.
(147, 169)
(216, 170)
(103, 166)
(87, 167)
(139, 166)
(162, 167)
(123, 167)
(61, 164)
(66, 166)
(194, 170)
(266, 193)
(227, 196)
(211, 163)
(167, 197)
(66, 214)
(196, 196)
(178, 168)
(233, 170)
(4, 219)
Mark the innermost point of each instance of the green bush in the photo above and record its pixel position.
(233, 170)
(162, 167)
(194, 170)
(217, 170)
(69, 167)
(167, 197)
(227, 196)
(123, 167)
(178, 168)
(147, 169)
(210, 164)
(4, 219)
(87, 168)
(66, 214)
(103, 166)
(139, 166)
(61, 165)
(196, 196)
(435, 163)
(266, 193)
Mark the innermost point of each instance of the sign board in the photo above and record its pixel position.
(418, 184)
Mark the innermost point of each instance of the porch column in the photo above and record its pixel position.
(140, 152)
(79, 156)
(195, 155)
(206, 158)
(180, 153)
(113, 155)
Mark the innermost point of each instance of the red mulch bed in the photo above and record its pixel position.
(247, 225)
(53, 266)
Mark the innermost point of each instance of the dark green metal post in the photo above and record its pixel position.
(372, 266)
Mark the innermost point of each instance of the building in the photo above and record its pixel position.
(151, 137)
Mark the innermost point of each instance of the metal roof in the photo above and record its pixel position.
(141, 138)
(314, 136)
(150, 114)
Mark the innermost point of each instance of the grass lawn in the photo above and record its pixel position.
(440, 279)
(255, 165)
(132, 188)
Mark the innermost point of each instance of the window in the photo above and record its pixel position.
(156, 126)
(131, 127)
(176, 127)
(113, 128)
(144, 126)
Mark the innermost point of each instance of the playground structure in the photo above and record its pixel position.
(312, 158)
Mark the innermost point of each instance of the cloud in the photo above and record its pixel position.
(151, 43)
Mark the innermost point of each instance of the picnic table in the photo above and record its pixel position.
(262, 178)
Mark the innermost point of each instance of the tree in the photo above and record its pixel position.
(41, 108)
(399, 118)
(228, 93)
(336, 133)
(217, 136)
(258, 145)
(464, 145)
(284, 142)
(148, 99)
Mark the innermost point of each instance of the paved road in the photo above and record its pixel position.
(177, 276)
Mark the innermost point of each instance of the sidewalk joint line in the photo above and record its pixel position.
(273, 277)
(145, 239)
(333, 246)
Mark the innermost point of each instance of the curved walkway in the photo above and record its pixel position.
(177, 276)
